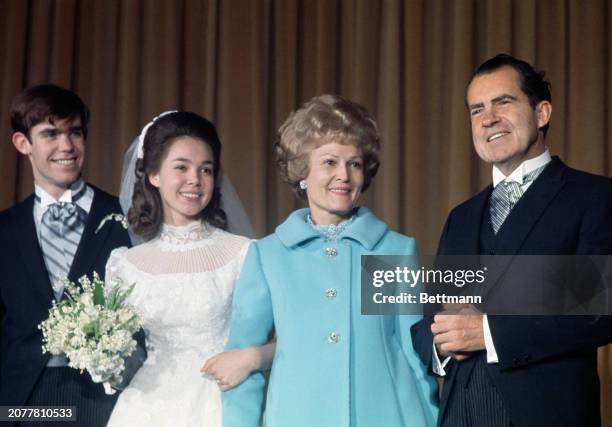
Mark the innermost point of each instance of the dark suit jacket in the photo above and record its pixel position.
(547, 370)
(25, 289)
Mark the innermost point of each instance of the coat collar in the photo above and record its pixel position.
(519, 224)
(530, 208)
(92, 242)
(27, 243)
(366, 229)
(524, 216)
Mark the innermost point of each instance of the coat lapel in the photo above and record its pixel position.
(465, 225)
(91, 242)
(27, 243)
(529, 210)
(523, 218)
(481, 203)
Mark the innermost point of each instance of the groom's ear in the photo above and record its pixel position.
(22, 143)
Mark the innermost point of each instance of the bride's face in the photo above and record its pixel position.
(185, 180)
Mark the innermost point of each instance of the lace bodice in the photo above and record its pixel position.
(184, 280)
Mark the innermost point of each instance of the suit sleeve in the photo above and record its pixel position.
(523, 340)
(2, 311)
(251, 324)
(422, 338)
(3, 282)
(596, 227)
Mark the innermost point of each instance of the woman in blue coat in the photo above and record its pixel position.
(333, 366)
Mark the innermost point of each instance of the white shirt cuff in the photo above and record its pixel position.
(436, 365)
(488, 339)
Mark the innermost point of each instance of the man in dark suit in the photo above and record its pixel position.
(519, 370)
(50, 128)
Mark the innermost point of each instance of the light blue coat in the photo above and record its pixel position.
(333, 366)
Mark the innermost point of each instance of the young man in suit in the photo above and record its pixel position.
(520, 370)
(51, 234)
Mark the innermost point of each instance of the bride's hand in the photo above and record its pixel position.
(231, 367)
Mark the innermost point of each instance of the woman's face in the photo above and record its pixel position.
(185, 180)
(334, 181)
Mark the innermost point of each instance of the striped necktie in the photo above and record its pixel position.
(60, 232)
(505, 195)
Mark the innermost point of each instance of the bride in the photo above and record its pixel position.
(184, 276)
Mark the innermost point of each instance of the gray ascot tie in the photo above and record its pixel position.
(505, 195)
(60, 232)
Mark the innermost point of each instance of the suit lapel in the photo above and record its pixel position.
(529, 210)
(465, 237)
(523, 218)
(27, 243)
(481, 203)
(91, 242)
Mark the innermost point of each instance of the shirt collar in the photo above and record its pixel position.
(523, 169)
(46, 199)
(365, 228)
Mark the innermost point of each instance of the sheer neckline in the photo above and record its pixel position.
(185, 234)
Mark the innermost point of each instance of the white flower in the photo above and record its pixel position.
(94, 332)
(114, 217)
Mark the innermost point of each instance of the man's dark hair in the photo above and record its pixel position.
(532, 82)
(46, 102)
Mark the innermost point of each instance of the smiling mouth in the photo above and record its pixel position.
(342, 191)
(496, 135)
(64, 162)
(192, 196)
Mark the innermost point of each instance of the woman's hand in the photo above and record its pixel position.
(232, 367)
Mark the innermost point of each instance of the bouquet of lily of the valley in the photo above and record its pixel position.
(93, 326)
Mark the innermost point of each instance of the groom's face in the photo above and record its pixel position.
(56, 149)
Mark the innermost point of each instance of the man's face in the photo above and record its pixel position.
(56, 152)
(505, 128)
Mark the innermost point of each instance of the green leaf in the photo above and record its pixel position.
(97, 328)
(98, 294)
(89, 329)
(117, 297)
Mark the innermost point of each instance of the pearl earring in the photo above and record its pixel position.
(303, 185)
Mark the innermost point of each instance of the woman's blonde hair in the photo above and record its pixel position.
(325, 119)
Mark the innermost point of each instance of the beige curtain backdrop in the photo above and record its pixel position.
(245, 64)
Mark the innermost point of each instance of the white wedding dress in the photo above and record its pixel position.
(184, 282)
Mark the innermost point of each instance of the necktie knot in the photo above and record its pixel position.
(507, 194)
(62, 211)
(62, 216)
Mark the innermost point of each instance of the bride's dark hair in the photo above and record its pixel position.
(146, 213)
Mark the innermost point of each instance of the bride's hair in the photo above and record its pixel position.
(146, 213)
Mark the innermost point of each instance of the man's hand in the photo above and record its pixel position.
(458, 331)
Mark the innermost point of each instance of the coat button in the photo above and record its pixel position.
(331, 252)
(331, 293)
(333, 338)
